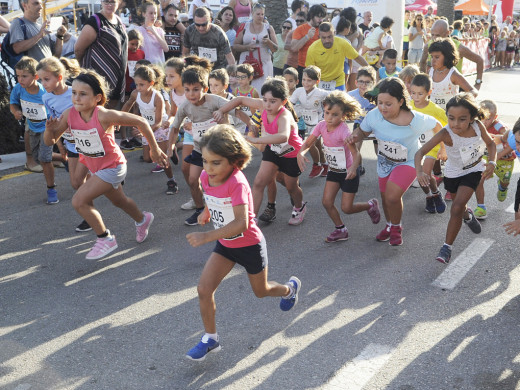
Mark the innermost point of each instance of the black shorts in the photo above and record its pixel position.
(253, 258)
(351, 186)
(470, 180)
(287, 165)
(195, 158)
(72, 154)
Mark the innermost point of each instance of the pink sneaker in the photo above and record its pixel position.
(337, 235)
(102, 247)
(384, 235)
(448, 197)
(298, 215)
(373, 211)
(396, 237)
(142, 230)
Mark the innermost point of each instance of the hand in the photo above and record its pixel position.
(61, 31)
(51, 124)
(311, 33)
(18, 115)
(252, 46)
(302, 161)
(513, 227)
(187, 126)
(166, 124)
(265, 40)
(488, 173)
(45, 28)
(351, 139)
(218, 115)
(423, 179)
(217, 22)
(159, 157)
(196, 239)
(442, 155)
(352, 172)
(204, 217)
(158, 23)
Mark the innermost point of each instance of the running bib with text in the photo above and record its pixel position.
(221, 212)
(68, 135)
(282, 149)
(425, 137)
(199, 128)
(209, 53)
(336, 158)
(246, 110)
(88, 142)
(243, 19)
(33, 111)
(131, 68)
(310, 117)
(471, 155)
(149, 115)
(327, 85)
(392, 151)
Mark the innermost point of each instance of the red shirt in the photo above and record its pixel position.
(132, 56)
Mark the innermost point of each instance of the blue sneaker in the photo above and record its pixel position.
(199, 352)
(440, 204)
(52, 196)
(287, 304)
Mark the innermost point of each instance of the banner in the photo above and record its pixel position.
(503, 9)
(479, 46)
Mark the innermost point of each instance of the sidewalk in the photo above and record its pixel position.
(13, 160)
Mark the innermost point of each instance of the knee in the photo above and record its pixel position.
(260, 292)
(457, 209)
(204, 292)
(77, 202)
(193, 182)
(327, 203)
(347, 208)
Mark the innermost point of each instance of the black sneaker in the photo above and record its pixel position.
(444, 255)
(173, 188)
(126, 145)
(269, 215)
(192, 221)
(136, 143)
(473, 222)
(430, 205)
(83, 227)
(175, 156)
(361, 170)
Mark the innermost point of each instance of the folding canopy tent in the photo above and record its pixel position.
(473, 7)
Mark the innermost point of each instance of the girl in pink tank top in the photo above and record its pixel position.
(92, 127)
(282, 144)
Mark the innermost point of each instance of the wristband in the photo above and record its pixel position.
(492, 163)
(60, 37)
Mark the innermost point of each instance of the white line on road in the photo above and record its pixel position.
(459, 267)
(356, 374)
(511, 209)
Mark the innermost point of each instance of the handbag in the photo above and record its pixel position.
(255, 63)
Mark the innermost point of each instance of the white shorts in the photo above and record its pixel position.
(113, 176)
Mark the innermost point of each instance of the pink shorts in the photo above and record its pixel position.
(402, 175)
(160, 135)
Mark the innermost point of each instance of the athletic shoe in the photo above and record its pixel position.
(440, 204)
(157, 169)
(337, 235)
(480, 213)
(136, 143)
(173, 188)
(126, 145)
(444, 255)
(52, 196)
(192, 221)
(298, 215)
(430, 205)
(448, 197)
(473, 223)
(83, 227)
(361, 170)
(325, 170)
(315, 171)
(269, 215)
(416, 184)
(189, 205)
(142, 230)
(199, 352)
(175, 156)
(501, 195)
(396, 237)
(438, 179)
(287, 304)
(373, 211)
(102, 247)
(384, 235)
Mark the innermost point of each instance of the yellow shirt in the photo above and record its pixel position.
(434, 110)
(331, 61)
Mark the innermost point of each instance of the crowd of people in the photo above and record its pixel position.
(200, 92)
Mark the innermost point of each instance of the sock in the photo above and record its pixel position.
(316, 164)
(435, 193)
(208, 336)
(106, 234)
(396, 224)
(340, 227)
(388, 224)
(482, 206)
(199, 210)
(271, 205)
(140, 223)
(51, 187)
(429, 194)
(171, 178)
(291, 291)
(448, 246)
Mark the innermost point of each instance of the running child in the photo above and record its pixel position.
(344, 160)
(245, 73)
(397, 130)
(27, 101)
(219, 83)
(280, 135)
(229, 205)
(308, 104)
(148, 97)
(231, 70)
(93, 129)
(505, 161)
(511, 141)
(465, 138)
(421, 90)
(290, 75)
(389, 62)
(52, 74)
(407, 75)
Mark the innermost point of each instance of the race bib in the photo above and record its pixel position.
(149, 115)
(199, 128)
(327, 85)
(246, 110)
(310, 117)
(88, 142)
(282, 149)
(472, 155)
(209, 53)
(336, 158)
(440, 101)
(392, 151)
(425, 137)
(131, 68)
(221, 212)
(33, 111)
(68, 136)
(243, 19)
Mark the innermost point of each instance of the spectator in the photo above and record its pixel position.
(207, 40)
(154, 44)
(227, 20)
(68, 39)
(296, 7)
(367, 21)
(259, 40)
(457, 29)
(280, 56)
(292, 58)
(4, 25)
(242, 11)
(417, 39)
(194, 5)
(103, 46)
(173, 31)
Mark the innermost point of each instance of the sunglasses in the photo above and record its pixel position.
(286, 27)
(300, 20)
(109, 2)
(200, 24)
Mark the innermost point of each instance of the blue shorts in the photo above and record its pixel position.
(341, 88)
(188, 139)
(195, 158)
(41, 153)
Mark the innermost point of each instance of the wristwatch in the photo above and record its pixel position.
(478, 81)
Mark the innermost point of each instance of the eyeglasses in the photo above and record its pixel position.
(419, 19)
(361, 82)
(108, 2)
(300, 20)
(201, 24)
(286, 27)
(242, 77)
(186, 22)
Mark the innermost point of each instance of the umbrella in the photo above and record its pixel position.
(422, 6)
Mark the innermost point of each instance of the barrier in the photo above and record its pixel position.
(479, 46)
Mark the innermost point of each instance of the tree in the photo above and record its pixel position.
(276, 13)
(446, 8)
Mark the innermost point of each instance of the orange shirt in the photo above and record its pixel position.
(300, 33)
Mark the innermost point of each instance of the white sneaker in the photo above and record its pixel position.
(189, 205)
(416, 184)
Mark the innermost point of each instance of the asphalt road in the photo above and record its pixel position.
(370, 316)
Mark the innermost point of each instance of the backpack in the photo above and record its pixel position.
(8, 54)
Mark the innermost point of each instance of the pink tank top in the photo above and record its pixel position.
(97, 148)
(288, 149)
(243, 12)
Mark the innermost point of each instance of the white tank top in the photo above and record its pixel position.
(465, 156)
(147, 110)
(444, 90)
(177, 99)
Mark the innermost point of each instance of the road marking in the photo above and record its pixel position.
(511, 209)
(357, 373)
(459, 267)
(13, 175)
